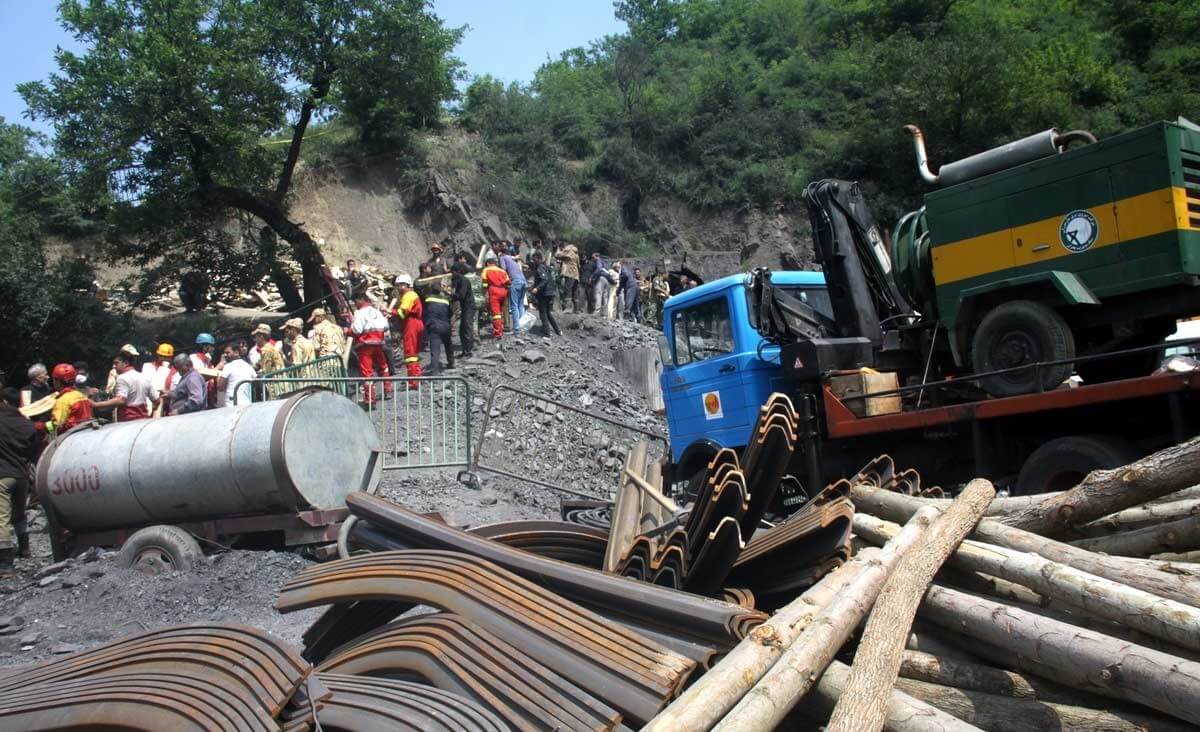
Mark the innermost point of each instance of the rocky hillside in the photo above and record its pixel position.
(385, 212)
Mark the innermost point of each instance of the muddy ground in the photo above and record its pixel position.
(89, 600)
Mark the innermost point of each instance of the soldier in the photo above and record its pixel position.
(437, 265)
(568, 261)
(301, 348)
(269, 357)
(327, 338)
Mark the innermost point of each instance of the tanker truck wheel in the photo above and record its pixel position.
(160, 550)
(1018, 333)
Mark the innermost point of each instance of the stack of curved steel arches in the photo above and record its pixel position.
(187, 677)
(714, 544)
(616, 666)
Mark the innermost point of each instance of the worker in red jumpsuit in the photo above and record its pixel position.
(370, 328)
(496, 281)
(411, 313)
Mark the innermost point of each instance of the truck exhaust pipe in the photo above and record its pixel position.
(1035, 147)
(922, 157)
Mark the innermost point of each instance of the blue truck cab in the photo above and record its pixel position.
(717, 369)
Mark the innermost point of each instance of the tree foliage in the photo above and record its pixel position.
(743, 102)
(46, 310)
(162, 120)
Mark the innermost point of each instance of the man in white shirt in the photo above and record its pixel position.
(370, 329)
(133, 393)
(161, 375)
(235, 371)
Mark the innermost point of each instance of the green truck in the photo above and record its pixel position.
(1044, 251)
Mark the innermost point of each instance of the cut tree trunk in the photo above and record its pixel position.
(1140, 517)
(898, 508)
(904, 713)
(1183, 557)
(988, 679)
(1005, 714)
(877, 660)
(1172, 586)
(924, 639)
(1172, 621)
(801, 664)
(704, 703)
(1131, 672)
(1107, 491)
(1172, 536)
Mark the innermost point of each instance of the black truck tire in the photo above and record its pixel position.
(160, 549)
(1017, 333)
(1061, 463)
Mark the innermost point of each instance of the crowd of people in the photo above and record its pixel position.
(508, 284)
(163, 383)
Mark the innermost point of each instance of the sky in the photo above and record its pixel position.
(508, 39)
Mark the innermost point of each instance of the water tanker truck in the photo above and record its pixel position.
(268, 474)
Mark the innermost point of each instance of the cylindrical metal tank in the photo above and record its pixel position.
(307, 451)
(1010, 155)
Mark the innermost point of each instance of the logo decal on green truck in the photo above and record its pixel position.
(1078, 231)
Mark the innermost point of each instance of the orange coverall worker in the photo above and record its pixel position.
(71, 408)
(497, 281)
(411, 313)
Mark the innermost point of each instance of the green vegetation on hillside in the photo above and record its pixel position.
(743, 102)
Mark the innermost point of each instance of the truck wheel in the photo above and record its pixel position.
(1018, 333)
(1061, 463)
(159, 550)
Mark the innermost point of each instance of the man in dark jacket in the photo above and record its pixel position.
(543, 292)
(463, 294)
(18, 450)
(627, 293)
(586, 277)
(191, 393)
(437, 330)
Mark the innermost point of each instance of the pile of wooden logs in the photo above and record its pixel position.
(1075, 610)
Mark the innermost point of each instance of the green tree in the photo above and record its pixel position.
(162, 119)
(46, 310)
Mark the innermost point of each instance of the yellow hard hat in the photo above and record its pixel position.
(165, 350)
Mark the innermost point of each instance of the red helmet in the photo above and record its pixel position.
(65, 373)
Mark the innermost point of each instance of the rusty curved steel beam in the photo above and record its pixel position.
(463, 658)
(241, 660)
(691, 618)
(362, 704)
(128, 701)
(633, 674)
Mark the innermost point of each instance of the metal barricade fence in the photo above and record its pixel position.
(428, 426)
(578, 451)
(325, 372)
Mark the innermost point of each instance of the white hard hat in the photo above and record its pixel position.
(403, 280)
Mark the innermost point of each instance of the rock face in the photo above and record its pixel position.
(386, 213)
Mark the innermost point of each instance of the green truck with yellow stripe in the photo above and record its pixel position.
(1054, 248)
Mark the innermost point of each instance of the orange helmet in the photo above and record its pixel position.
(65, 373)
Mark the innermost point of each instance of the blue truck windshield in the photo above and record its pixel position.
(702, 331)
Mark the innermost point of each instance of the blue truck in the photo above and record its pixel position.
(723, 355)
